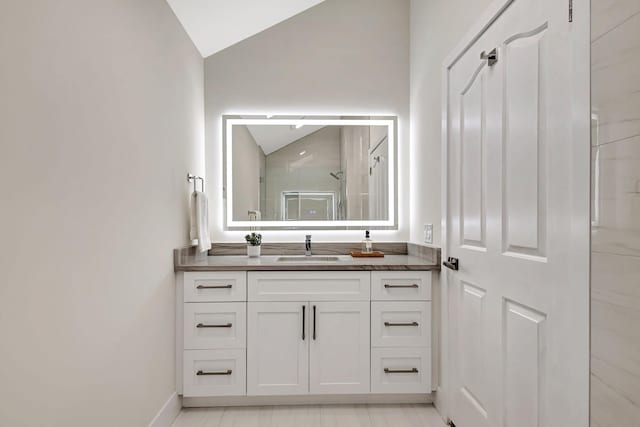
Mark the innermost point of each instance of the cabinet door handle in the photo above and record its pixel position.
(227, 372)
(314, 322)
(401, 324)
(223, 325)
(214, 286)
(388, 286)
(304, 309)
(401, 371)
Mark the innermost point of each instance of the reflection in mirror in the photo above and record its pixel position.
(299, 172)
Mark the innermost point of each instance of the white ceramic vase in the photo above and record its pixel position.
(253, 251)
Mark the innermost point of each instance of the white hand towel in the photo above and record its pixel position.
(199, 230)
(193, 220)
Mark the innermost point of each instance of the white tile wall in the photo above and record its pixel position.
(615, 282)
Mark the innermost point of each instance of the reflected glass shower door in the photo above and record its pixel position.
(306, 206)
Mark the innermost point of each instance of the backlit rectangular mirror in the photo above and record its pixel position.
(310, 172)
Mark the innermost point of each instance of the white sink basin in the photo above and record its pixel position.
(302, 258)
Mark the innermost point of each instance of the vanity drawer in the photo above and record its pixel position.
(401, 285)
(215, 325)
(212, 286)
(401, 324)
(214, 373)
(401, 370)
(309, 285)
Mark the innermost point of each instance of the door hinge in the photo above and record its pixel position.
(570, 10)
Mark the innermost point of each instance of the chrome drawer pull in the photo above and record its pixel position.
(401, 324)
(214, 286)
(227, 372)
(387, 286)
(203, 325)
(401, 371)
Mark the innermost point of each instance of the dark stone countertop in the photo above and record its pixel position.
(190, 262)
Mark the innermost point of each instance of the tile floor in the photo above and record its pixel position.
(312, 416)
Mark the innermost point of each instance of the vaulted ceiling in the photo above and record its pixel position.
(214, 25)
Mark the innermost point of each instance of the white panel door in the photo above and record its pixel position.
(340, 348)
(277, 348)
(516, 211)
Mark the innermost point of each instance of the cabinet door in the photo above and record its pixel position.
(277, 348)
(339, 355)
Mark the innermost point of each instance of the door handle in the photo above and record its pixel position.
(491, 57)
(452, 263)
(304, 307)
(314, 322)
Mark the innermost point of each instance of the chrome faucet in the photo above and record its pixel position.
(307, 245)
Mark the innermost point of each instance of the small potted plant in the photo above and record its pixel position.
(254, 240)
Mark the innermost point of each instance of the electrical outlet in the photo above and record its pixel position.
(428, 233)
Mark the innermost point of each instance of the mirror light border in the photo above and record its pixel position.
(373, 120)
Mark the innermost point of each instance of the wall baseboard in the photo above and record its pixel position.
(168, 413)
(372, 399)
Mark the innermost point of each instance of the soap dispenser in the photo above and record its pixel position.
(367, 243)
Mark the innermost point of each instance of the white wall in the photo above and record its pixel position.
(436, 28)
(340, 57)
(101, 117)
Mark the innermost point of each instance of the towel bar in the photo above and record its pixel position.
(194, 179)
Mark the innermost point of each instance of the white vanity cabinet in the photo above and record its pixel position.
(318, 344)
(212, 324)
(401, 332)
(297, 333)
